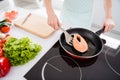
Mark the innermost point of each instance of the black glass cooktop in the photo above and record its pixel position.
(57, 65)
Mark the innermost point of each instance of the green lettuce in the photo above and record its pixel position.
(20, 51)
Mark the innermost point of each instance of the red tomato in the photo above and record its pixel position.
(3, 41)
(5, 29)
(4, 66)
(1, 47)
(1, 44)
(1, 52)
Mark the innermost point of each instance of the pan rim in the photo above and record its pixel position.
(78, 56)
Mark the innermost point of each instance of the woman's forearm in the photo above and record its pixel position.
(53, 21)
(108, 23)
(108, 8)
(48, 5)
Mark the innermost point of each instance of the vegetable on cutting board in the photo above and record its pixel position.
(20, 51)
(4, 66)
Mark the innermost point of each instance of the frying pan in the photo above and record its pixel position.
(95, 43)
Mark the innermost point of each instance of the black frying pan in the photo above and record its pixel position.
(95, 43)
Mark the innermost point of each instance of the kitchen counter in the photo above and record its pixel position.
(17, 72)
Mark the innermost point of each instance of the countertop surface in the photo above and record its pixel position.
(17, 72)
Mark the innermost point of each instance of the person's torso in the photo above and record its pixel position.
(78, 6)
(77, 12)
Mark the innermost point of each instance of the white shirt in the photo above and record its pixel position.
(77, 13)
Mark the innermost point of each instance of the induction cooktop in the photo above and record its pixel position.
(57, 65)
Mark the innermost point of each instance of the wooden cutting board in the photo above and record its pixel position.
(35, 24)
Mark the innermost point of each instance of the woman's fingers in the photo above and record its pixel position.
(109, 25)
(53, 21)
(50, 23)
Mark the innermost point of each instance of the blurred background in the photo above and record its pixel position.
(98, 15)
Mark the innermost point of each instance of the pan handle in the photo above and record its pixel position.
(100, 31)
(104, 41)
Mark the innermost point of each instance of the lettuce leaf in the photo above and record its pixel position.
(20, 51)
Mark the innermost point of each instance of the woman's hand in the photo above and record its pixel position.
(53, 21)
(109, 24)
